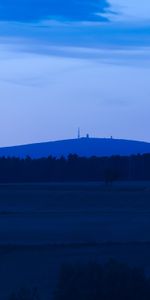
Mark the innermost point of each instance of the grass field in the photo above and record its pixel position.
(45, 225)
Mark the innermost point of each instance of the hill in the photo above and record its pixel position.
(83, 147)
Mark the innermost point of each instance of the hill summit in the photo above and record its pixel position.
(83, 147)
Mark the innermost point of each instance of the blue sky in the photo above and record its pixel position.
(65, 64)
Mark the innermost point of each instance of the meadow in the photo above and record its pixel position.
(43, 226)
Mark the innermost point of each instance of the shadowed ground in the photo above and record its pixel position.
(43, 226)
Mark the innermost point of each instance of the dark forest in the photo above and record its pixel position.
(75, 168)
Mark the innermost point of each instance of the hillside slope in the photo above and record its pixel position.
(83, 147)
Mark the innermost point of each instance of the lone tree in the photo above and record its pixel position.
(111, 175)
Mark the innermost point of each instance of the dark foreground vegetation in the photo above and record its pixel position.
(112, 281)
(25, 294)
(75, 168)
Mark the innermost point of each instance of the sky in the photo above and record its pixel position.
(66, 64)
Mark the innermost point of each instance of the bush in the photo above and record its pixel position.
(112, 281)
(25, 294)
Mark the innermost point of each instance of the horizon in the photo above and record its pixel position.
(84, 63)
(76, 138)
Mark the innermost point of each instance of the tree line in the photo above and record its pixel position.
(75, 168)
(110, 281)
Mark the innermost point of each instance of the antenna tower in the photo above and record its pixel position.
(79, 135)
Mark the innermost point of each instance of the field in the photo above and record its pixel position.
(43, 226)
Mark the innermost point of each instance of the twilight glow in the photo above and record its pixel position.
(65, 64)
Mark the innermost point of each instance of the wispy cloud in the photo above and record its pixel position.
(76, 23)
(46, 97)
(42, 35)
(37, 66)
(29, 10)
(62, 54)
(130, 11)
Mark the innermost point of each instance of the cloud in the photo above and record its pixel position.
(75, 23)
(74, 10)
(130, 10)
(29, 10)
(40, 37)
(46, 97)
(41, 66)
